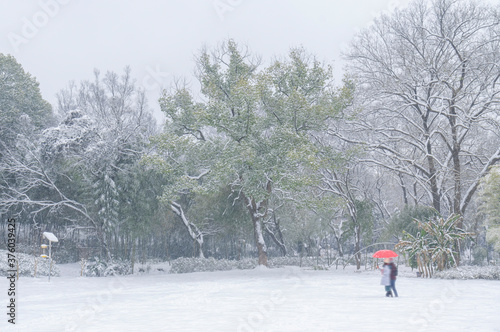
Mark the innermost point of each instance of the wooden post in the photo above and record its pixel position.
(50, 259)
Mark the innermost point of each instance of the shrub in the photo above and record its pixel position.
(470, 272)
(27, 265)
(188, 265)
(295, 261)
(102, 268)
(480, 255)
(434, 245)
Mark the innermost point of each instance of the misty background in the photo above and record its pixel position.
(62, 41)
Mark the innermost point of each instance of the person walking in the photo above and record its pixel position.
(389, 273)
(386, 277)
(394, 274)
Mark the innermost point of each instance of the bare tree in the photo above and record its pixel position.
(428, 76)
(122, 124)
(354, 185)
(29, 185)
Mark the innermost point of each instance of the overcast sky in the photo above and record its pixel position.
(62, 40)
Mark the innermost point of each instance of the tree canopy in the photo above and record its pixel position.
(252, 125)
(20, 100)
(428, 79)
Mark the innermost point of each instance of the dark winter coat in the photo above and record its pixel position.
(394, 270)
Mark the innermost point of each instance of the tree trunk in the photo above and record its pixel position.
(258, 211)
(436, 199)
(253, 208)
(259, 239)
(403, 187)
(132, 256)
(104, 243)
(276, 234)
(457, 195)
(357, 230)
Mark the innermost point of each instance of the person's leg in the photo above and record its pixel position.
(388, 291)
(393, 286)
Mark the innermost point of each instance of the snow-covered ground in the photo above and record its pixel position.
(286, 299)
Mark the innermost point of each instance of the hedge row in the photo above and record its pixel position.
(188, 265)
(470, 272)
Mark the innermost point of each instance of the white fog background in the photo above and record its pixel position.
(62, 40)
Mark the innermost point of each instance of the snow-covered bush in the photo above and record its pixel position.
(188, 265)
(296, 261)
(102, 268)
(27, 264)
(470, 272)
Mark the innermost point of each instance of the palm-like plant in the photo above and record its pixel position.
(435, 245)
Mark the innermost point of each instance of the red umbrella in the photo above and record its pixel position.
(385, 254)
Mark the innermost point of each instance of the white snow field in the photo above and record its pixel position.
(285, 299)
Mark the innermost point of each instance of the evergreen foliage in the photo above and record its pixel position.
(20, 98)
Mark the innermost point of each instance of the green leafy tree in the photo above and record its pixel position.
(24, 114)
(142, 220)
(20, 97)
(403, 221)
(254, 125)
(184, 162)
